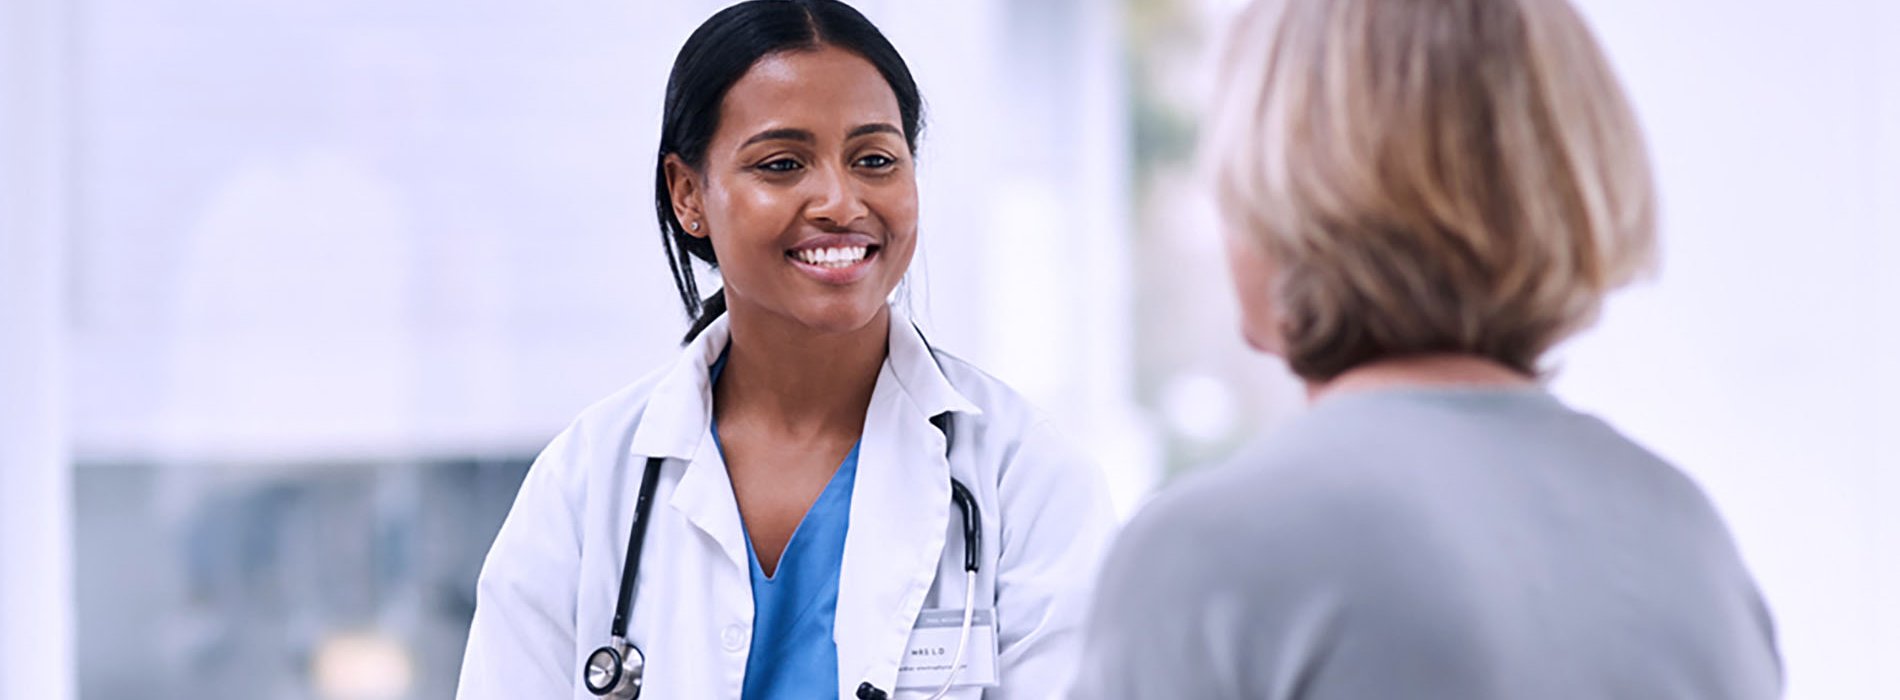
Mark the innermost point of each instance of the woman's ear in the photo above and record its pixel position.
(682, 182)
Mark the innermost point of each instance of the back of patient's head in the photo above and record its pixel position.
(1442, 176)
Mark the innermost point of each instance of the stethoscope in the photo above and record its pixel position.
(617, 670)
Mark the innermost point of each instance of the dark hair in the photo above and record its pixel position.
(718, 53)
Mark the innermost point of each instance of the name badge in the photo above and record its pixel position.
(933, 644)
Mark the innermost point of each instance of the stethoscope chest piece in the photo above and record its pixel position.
(615, 671)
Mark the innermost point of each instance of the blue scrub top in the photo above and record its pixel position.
(793, 654)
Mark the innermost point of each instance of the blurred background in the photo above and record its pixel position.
(292, 292)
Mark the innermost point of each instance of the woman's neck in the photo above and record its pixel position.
(1421, 371)
(790, 379)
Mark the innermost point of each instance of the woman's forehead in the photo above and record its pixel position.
(828, 91)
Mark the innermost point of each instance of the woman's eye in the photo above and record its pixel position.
(782, 165)
(877, 161)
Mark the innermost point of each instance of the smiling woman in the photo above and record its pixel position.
(770, 517)
(809, 183)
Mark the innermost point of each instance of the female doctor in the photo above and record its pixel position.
(832, 508)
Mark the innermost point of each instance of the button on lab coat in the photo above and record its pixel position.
(547, 591)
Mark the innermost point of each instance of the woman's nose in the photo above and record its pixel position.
(836, 200)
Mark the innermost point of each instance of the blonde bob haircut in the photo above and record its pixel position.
(1429, 176)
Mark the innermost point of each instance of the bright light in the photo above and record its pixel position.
(362, 666)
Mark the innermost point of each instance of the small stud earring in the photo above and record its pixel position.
(694, 226)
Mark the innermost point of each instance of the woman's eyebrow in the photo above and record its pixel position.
(781, 135)
(804, 136)
(873, 128)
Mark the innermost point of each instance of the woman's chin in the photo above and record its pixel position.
(840, 315)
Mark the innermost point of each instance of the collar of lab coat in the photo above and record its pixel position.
(679, 411)
(900, 507)
(900, 512)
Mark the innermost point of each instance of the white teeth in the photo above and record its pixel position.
(832, 257)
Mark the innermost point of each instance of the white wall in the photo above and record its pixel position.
(354, 232)
(36, 615)
(1763, 359)
(309, 232)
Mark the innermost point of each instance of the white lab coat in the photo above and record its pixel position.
(547, 591)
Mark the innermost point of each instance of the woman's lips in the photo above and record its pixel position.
(835, 258)
(835, 265)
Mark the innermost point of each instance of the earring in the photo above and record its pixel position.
(694, 226)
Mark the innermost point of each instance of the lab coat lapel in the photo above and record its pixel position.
(677, 423)
(899, 516)
(679, 411)
(922, 379)
(705, 497)
(900, 512)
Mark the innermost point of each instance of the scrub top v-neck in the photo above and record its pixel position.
(793, 655)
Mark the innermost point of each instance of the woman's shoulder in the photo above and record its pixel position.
(1006, 419)
(619, 410)
(986, 391)
(607, 424)
(1017, 439)
(625, 404)
(1378, 478)
(1335, 484)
